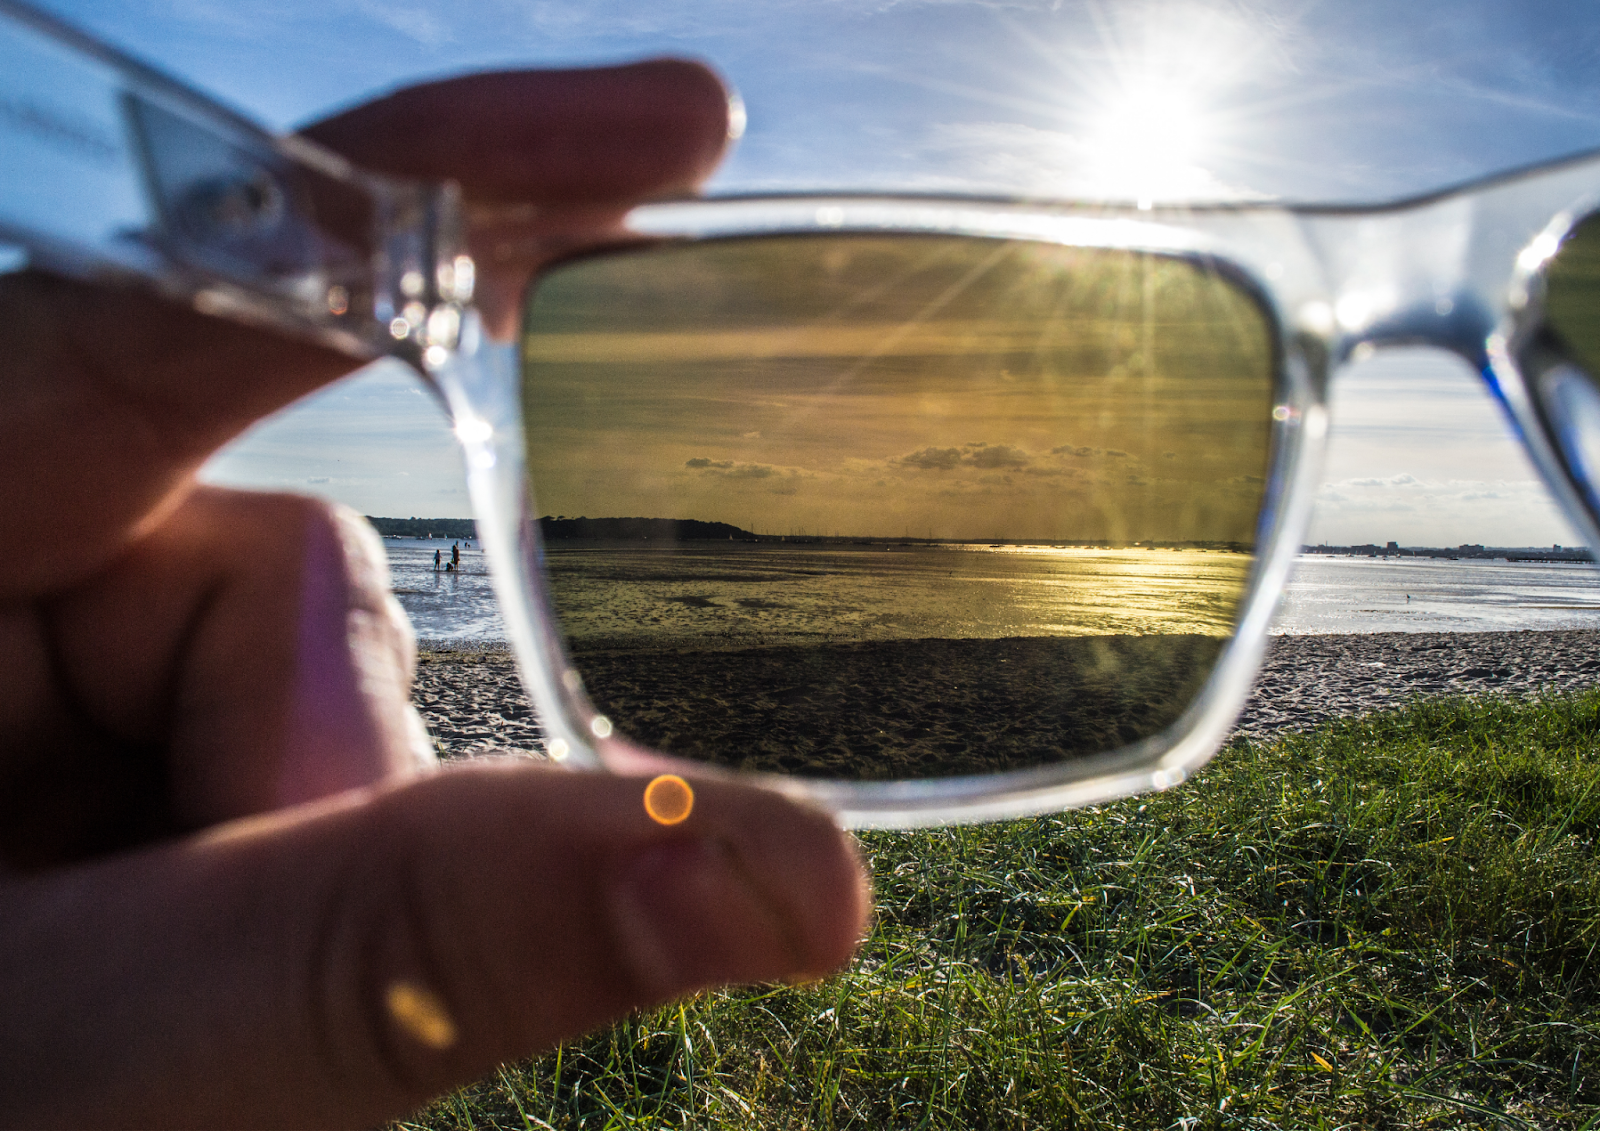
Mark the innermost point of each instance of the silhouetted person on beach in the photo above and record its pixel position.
(437, 558)
(455, 553)
(230, 868)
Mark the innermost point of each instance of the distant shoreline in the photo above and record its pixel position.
(1554, 553)
(660, 531)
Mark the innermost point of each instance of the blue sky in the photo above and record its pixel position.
(1346, 100)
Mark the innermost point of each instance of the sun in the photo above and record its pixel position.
(1147, 143)
(1156, 115)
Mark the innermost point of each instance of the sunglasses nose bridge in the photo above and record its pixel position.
(1459, 323)
(1404, 279)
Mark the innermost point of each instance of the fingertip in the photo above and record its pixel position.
(593, 136)
(712, 115)
(755, 887)
(584, 907)
(838, 894)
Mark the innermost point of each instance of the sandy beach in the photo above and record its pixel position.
(1309, 679)
(473, 702)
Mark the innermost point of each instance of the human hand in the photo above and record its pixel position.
(218, 852)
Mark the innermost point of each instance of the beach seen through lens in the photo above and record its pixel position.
(892, 660)
(904, 506)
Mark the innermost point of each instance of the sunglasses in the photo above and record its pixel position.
(923, 509)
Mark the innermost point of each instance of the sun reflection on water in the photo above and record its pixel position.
(773, 594)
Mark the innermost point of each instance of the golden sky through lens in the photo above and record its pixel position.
(950, 387)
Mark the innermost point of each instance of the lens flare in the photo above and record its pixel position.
(668, 799)
(418, 1011)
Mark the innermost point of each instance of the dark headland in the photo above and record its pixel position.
(666, 531)
(575, 529)
(639, 530)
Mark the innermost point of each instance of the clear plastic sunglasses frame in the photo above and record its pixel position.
(186, 197)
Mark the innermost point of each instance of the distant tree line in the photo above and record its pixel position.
(563, 529)
(463, 529)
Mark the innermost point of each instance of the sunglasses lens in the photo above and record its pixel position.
(1572, 294)
(888, 507)
(1567, 389)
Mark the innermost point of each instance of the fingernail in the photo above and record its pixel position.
(686, 917)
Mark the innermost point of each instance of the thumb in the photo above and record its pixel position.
(339, 963)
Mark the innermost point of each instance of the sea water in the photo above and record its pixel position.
(455, 605)
(714, 595)
(1033, 592)
(1330, 595)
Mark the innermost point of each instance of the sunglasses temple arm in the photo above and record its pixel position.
(116, 173)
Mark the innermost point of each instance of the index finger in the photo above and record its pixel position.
(546, 160)
(594, 136)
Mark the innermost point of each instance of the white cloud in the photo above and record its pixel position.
(1421, 455)
(422, 22)
(1402, 480)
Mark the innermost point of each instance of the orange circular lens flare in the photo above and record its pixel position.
(668, 799)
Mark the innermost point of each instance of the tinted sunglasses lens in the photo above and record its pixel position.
(1572, 294)
(879, 507)
(1567, 390)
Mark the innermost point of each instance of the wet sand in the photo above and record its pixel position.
(473, 702)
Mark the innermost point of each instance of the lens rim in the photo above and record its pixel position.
(1225, 273)
(1299, 365)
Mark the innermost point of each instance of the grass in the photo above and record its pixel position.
(1388, 922)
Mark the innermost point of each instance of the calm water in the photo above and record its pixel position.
(885, 595)
(737, 595)
(1336, 595)
(458, 605)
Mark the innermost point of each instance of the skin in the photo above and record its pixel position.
(221, 842)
